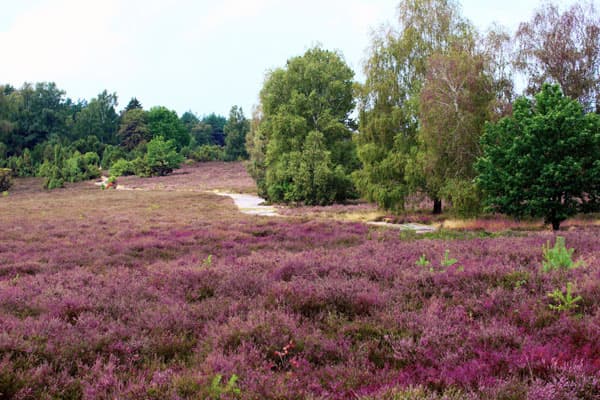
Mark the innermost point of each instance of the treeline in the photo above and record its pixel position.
(438, 114)
(44, 133)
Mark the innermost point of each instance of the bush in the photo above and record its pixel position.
(63, 167)
(140, 167)
(110, 155)
(162, 157)
(5, 179)
(122, 167)
(208, 152)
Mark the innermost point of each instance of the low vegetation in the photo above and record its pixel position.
(171, 293)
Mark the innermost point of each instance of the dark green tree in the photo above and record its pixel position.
(35, 114)
(133, 104)
(236, 129)
(189, 119)
(214, 126)
(313, 93)
(133, 129)
(544, 160)
(164, 122)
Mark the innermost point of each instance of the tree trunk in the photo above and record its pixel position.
(437, 206)
(555, 224)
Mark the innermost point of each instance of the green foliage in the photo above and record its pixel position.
(62, 166)
(423, 261)
(295, 145)
(447, 261)
(165, 123)
(218, 389)
(389, 100)
(236, 129)
(208, 153)
(110, 155)
(207, 262)
(161, 157)
(133, 129)
(543, 161)
(99, 118)
(564, 301)
(5, 179)
(122, 167)
(455, 103)
(558, 256)
(465, 196)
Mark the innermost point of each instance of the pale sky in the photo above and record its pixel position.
(203, 56)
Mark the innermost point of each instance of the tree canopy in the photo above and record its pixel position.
(543, 160)
(313, 93)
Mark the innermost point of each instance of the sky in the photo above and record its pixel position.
(203, 56)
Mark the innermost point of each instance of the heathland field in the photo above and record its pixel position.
(166, 291)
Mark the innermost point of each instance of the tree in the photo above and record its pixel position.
(166, 123)
(189, 119)
(256, 147)
(455, 103)
(133, 129)
(213, 126)
(544, 160)
(133, 104)
(99, 118)
(313, 93)
(564, 49)
(236, 129)
(162, 157)
(389, 99)
(35, 114)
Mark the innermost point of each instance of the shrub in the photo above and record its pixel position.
(162, 157)
(208, 152)
(5, 179)
(122, 167)
(111, 155)
(558, 257)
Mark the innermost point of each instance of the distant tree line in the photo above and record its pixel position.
(439, 115)
(44, 133)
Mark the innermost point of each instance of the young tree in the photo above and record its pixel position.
(236, 129)
(313, 93)
(162, 157)
(564, 49)
(544, 160)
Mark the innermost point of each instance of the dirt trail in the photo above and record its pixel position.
(254, 205)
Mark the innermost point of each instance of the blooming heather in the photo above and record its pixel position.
(108, 294)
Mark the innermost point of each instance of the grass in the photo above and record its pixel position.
(160, 292)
